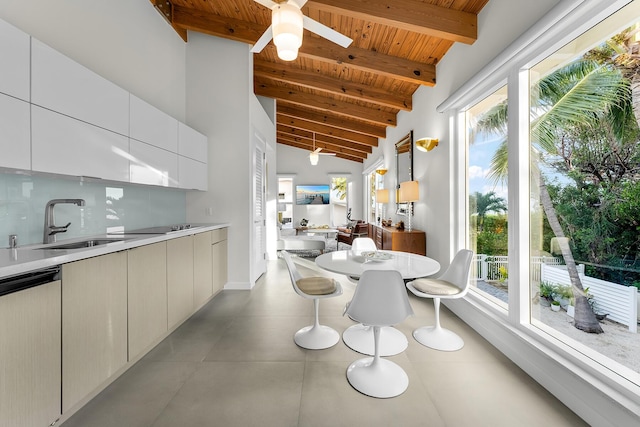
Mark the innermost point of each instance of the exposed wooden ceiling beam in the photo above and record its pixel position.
(343, 108)
(319, 143)
(329, 119)
(312, 47)
(313, 80)
(302, 146)
(366, 60)
(327, 130)
(411, 15)
(306, 133)
(216, 25)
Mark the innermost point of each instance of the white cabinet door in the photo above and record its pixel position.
(14, 61)
(179, 280)
(147, 307)
(30, 347)
(94, 324)
(192, 143)
(68, 146)
(192, 175)
(155, 127)
(63, 85)
(152, 165)
(15, 140)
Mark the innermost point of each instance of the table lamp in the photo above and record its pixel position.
(382, 197)
(409, 193)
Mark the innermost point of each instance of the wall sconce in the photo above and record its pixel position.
(287, 30)
(382, 197)
(426, 144)
(381, 171)
(409, 193)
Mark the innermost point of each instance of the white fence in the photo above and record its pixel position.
(487, 267)
(620, 302)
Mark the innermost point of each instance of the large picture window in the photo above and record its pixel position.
(573, 128)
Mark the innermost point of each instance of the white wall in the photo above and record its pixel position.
(218, 93)
(499, 24)
(126, 42)
(293, 160)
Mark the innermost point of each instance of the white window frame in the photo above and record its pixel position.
(532, 347)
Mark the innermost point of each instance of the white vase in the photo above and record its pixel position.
(571, 310)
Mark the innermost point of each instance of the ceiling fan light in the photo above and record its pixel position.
(313, 158)
(287, 30)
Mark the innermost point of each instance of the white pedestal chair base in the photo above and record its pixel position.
(438, 338)
(382, 379)
(360, 338)
(316, 337)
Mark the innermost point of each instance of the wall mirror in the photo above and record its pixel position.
(404, 168)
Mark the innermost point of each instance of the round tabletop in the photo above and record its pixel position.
(353, 263)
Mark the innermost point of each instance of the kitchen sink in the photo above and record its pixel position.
(81, 244)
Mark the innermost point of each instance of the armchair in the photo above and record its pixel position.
(347, 234)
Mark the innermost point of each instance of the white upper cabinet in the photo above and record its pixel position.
(155, 127)
(61, 84)
(192, 143)
(14, 61)
(152, 165)
(192, 174)
(66, 146)
(15, 141)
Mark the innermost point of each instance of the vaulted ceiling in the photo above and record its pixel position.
(339, 99)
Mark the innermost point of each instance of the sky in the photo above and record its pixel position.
(480, 154)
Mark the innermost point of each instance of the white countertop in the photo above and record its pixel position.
(29, 258)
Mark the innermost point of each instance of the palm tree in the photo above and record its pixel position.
(571, 95)
(485, 203)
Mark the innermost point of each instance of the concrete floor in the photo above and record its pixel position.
(234, 363)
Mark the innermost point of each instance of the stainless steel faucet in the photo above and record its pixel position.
(50, 230)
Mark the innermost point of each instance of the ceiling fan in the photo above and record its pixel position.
(315, 154)
(287, 22)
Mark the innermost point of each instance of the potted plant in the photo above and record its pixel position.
(563, 294)
(555, 305)
(546, 293)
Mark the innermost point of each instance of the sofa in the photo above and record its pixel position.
(288, 241)
(353, 229)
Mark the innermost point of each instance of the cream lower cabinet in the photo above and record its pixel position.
(179, 279)
(94, 324)
(219, 258)
(30, 356)
(202, 269)
(147, 293)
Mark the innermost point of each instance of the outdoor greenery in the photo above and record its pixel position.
(586, 162)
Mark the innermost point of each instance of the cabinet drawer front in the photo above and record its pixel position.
(218, 235)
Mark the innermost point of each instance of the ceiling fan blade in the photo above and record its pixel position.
(327, 154)
(300, 3)
(317, 150)
(326, 32)
(264, 40)
(266, 3)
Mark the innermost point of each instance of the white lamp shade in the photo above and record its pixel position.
(409, 192)
(313, 158)
(382, 196)
(287, 30)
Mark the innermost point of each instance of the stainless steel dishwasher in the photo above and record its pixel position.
(29, 279)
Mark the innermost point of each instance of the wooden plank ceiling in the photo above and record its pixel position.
(341, 99)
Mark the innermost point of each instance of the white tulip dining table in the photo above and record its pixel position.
(352, 263)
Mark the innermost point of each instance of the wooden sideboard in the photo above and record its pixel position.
(414, 241)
